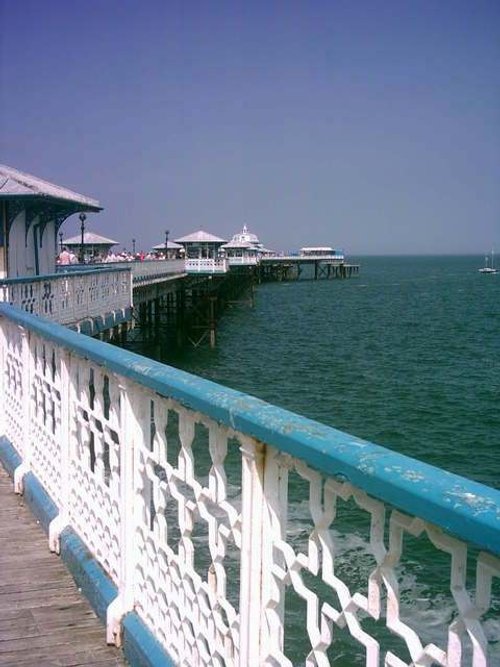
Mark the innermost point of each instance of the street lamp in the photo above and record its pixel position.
(60, 241)
(133, 246)
(167, 232)
(83, 217)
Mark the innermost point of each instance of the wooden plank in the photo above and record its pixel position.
(70, 658)
(44, 619)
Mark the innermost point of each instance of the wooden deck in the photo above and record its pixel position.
(44, 620)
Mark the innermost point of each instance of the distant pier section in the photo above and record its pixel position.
(172, 295)
(206, 253)
(311, 262)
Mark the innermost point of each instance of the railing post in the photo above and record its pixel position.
(3, 360)
(60, 522)
(132, 423)
(274, 529)
(59, 290)
(130, 288)
(26, 366)
(264, 511)
(253, 454)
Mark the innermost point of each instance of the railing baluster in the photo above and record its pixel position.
(27, 371)
(252, 488)
(63, 435)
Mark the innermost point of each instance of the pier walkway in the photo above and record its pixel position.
(44, 619)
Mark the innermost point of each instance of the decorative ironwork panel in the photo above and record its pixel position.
(68, 298)
(189, 535)
(96, 437)
(48, 300)
(45, 409)
(13, 398)
(363, 578)
(65, 299)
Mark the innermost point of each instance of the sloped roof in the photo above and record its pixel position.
(200, 237)
(171, 244)
(316, 249)
(89, 238)
(15, 183)
(239, 244)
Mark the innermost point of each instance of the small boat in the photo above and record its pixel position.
(491, 267)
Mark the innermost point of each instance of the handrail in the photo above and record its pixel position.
(205, 506)
(466, 508)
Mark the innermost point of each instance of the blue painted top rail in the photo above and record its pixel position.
(465, 508)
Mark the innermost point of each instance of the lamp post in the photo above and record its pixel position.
(60, 241)
(83, 217)
(167, 232)
(133, 246)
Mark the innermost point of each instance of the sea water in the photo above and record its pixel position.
(406, 355)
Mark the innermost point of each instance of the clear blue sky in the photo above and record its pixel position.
(370, 125)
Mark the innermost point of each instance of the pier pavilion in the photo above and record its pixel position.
(92, 247)
(208, 527)
(32, 211)
(169, 250)
(244, 249)
(201, 245)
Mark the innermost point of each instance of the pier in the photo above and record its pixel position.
(206, 526)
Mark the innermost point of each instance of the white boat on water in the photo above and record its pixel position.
(489, 268)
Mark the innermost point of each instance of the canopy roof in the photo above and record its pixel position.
(89, 238)
(200, 237)
(16, 184)
(316, 249)
(171, 244)
(239, 244)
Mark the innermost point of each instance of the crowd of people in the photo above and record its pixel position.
(67, 256)
(129, 256)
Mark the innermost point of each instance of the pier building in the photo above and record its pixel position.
(244, 249)
(325, 252)
(91, 246)
(209, 527)
(169, 250)
(32, 212)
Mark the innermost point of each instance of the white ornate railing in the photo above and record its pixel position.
(145, 271)
(243, 261)
(243, 534)
(303, 259)
(206, 265)
(71, 297)
(155, 270)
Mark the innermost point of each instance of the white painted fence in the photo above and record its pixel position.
(71, 297)
(150, 270)
(243, 261)
(206, 265)
(243, 534)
